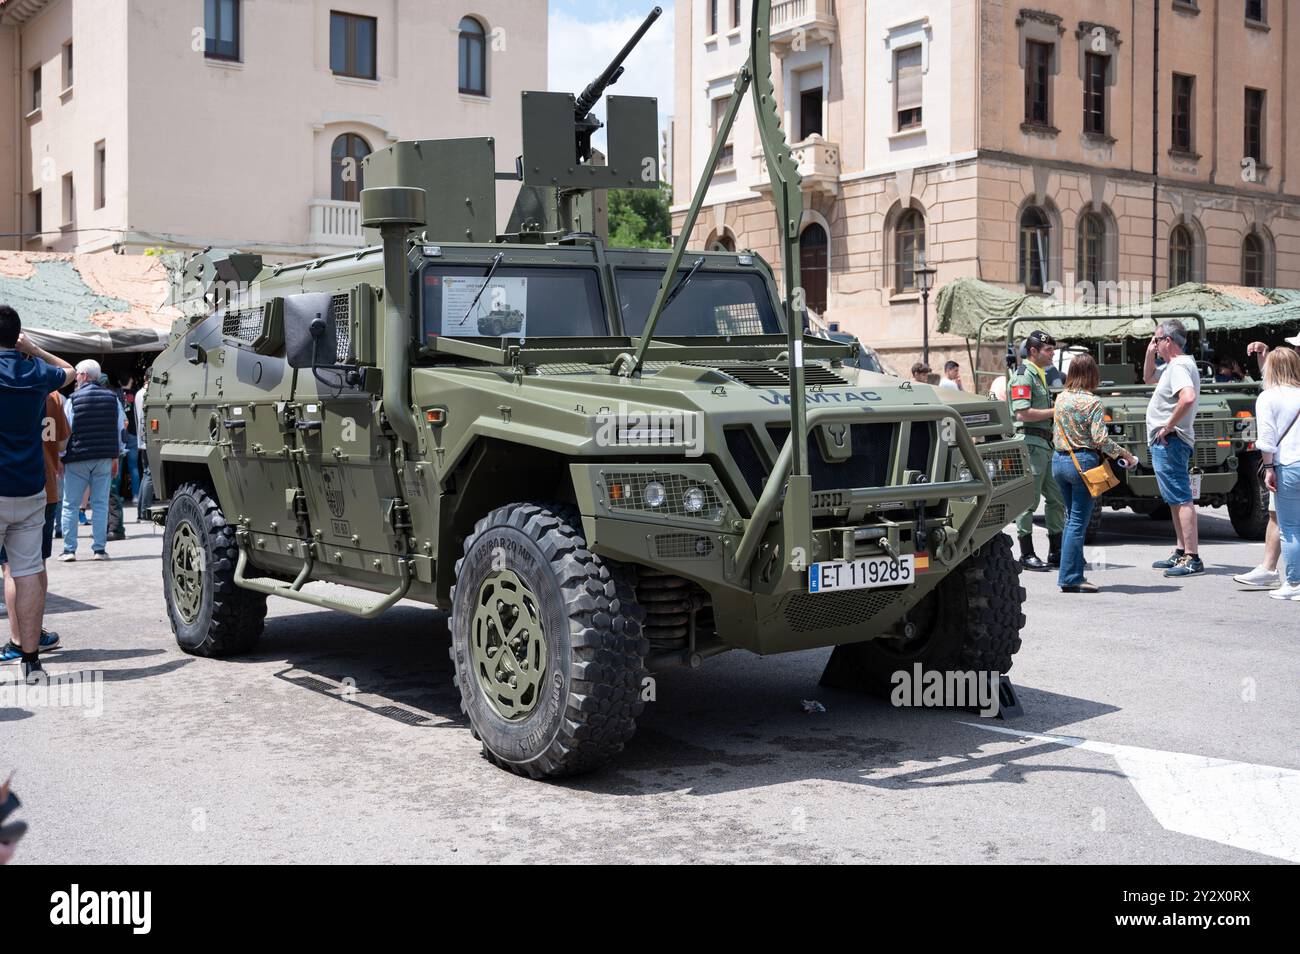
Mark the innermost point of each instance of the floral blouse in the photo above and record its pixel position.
(1079, 415)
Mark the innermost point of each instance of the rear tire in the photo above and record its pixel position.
(1248, 501)
(210, 615)
(970, 622)
(546, 644)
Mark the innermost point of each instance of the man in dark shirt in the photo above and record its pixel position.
(27, 374)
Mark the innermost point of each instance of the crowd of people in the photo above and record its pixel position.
(58, 456)
(1068, 441)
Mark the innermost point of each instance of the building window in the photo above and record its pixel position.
(813, 266)
(1035, 248)
(1254, 133)
(352, 45)
(909, 242)
(735, 13)
(722, 243)
(100, 182)
(1252, 261)
(38, 225)
(1181, 249)
(1094, 93)
(726, 158)
(810, 113)
(907, 87)
(1092, 249)
(1038, 73)
(473, 57)
(35, 103)
(221, 29)
(713, 17)
(1255, 11)
(69, 201)
(345, 167)
(1184, 90)
(67, 65)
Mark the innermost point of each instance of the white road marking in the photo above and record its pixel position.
(1253, 807)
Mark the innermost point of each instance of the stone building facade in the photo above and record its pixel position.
(1009, 143)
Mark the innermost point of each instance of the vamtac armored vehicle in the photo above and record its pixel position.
(663, 468)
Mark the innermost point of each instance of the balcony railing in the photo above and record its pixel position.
(818, 162)
(335, 222)
(812, 20)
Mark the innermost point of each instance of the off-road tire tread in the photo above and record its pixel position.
(995, 599)
(608, 661)
(238, 615)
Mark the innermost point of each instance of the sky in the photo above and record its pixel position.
(584, 35)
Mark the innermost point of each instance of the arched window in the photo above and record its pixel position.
(345, 167)
(1181, 249)
(909, 242)
(812, 267)
(1252, 261)
(722, 243)
(1035, 248)
(1092, 249)
(473, 57)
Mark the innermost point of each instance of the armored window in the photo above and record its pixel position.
(1253, 145)
(473, 57)
(221, 29)
(1094, 93)
(1184, 88)
(813, 267)
(1038, 78)
(1252, 261)
(909, 243)
(907, 87)
(35, 103)
(713, 303)
(1092, 249)
(345, 167)
(1035, 246)
(1255, 11)
(352, 45)
(522, 301)
(1181, 248)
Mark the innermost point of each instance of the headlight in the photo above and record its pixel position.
(964, 473)
(991, 469)
(655, 495)
(693, 499)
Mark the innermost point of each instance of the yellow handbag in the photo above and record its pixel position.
(1098, 479)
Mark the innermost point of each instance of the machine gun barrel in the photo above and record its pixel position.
(596, 88)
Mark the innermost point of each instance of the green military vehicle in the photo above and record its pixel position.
(501, 321)
(664, 469)
(1224, 461)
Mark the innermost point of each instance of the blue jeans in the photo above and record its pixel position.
(1288, 519)
(77, 476)
(1078, 510)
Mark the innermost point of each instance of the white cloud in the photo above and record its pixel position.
(580, 48)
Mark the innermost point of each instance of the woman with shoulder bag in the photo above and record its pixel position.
(1278, 416)
(1080, 438)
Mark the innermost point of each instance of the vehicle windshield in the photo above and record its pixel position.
(712, 304)
(519, 301)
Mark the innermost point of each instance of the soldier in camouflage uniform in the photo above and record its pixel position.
(1031, 404)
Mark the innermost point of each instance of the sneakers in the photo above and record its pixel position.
(1286, 591)
(10, 652)
(67, 557)
(1186, 566)
(1169, 561)
(48, 641)
(100, 555)
(1259, 578)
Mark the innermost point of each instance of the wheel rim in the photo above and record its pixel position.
(508, 644)
(187, 571)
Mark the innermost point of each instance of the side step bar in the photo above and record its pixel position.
(293, 591)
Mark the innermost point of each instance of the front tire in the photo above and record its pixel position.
(970, 622)
(546, 644)
(1248, 501)
(210, 615)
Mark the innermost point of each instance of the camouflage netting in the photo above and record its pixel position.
(963, 305)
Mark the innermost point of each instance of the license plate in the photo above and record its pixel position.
(867, 573)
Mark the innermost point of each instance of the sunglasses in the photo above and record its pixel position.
(1159, 339)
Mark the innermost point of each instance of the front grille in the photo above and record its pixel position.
(1007, 466)
(868, 467)
(745, 454)
(682, 546)
(341, 305)
(995, 516)
(808, 612)
(630, 495)
(246, 325)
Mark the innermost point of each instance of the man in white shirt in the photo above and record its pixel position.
(1171, 414)
(951, 376)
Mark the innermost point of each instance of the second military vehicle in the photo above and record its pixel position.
(663, 469)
